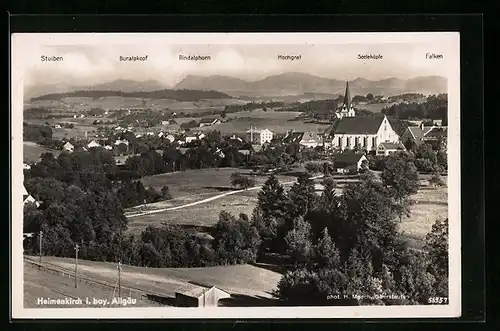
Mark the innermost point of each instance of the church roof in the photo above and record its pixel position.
(358, 125)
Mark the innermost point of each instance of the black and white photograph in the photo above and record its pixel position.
(236, 175)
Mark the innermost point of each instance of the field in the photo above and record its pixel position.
(432, 204)
(32, 152)
(278, 122)
(195, 185)
(199, 182)
(239, 280)
(375, 107)
(44, 284)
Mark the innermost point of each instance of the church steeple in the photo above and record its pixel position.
(347, 96)
(347, 108)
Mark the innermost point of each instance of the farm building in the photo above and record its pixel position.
(93, 144)
(348, 162)
(311, 140)
(389, 148)
(199, 295)
(68, 147)
(208, 122)
(425, 134)
(260, 136)
(170, 138)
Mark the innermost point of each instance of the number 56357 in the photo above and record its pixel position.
(437, 300)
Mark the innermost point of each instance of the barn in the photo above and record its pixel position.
(348, 162)
(199, 295)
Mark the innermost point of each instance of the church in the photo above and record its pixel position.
(347, 108)
(369, 133)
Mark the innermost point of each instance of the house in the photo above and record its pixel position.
(118, 128)
(363, 132)
(109, 148)
(348, 162)
(120, 141)
(311, 140)
(390, 148)
(93, 144)
(292, 137)
(199, 295)
(57, 126)
(26, 166)
(421, 133)
(260, 136)
(138, 135)
(165, 122)
(347, 108)
(208, 122)
(30, 199)
(160, 134)
(234, 137)
(68, 147)
(244, 151)
(201, 135)
(170, 138)
(190, 138)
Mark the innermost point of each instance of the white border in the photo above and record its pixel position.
(22, 42)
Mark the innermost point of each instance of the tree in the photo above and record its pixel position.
(165, 193)
(302, 196)
(436, 180)
(327, 254)
(235, 240)
(272, 199)
(400, 176)
(437, 244)
(369, 97)
(299, 245)
(312, 167)
(240, 181)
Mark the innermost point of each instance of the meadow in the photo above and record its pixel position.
(248, 280)
(32, 152)
(431, 205)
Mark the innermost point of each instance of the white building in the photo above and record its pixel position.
(170, 138)
(68, 147)
(120, 141)
(26, 166)
(260, 136)
(93, 144)
(365, 133)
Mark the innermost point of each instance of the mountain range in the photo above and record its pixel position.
(286, 84)
(294, 83)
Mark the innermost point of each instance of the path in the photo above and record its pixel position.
(208, 199)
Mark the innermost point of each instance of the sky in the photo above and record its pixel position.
(99, 62)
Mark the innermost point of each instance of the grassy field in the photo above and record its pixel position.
(246, 280)
(375, 107)
(44, 284)
(32, 152)
(432, 204)
(199, 182)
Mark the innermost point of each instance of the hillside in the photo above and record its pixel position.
(178, 95)
(125, 85)
(240, 280)
(294, 83)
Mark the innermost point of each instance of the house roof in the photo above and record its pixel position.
(196, 290)
(437, 132)
(358, 125)
(207, 120)
(311, 136)
(68, 144)
(293, 137)
(390, 145)
(346, 159)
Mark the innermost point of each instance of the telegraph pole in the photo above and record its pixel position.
(40, 250)
(119, 279)
(76, 264)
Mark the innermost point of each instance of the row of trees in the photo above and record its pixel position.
(435, 107)
(349, 244)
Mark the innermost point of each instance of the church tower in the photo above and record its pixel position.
(347, 109)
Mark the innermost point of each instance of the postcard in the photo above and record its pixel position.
(235, 175)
